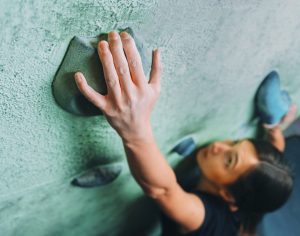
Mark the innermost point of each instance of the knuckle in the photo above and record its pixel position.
(130, 100)
(130, 105)
(143, 89)
(111, 82)
(122, 70)
(134, 63)
(121, 110)
(110, 114)
(111, 111)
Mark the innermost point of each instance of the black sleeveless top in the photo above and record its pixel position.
(218, 219)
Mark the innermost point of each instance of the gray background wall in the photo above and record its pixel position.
(215, 54)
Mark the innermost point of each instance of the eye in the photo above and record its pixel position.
(235, 142)
(229, 159)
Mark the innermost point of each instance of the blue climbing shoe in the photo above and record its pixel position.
(272, 103)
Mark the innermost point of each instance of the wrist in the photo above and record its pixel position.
(142, 135)
(268, 127)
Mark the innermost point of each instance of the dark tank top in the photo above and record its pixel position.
(218, 219)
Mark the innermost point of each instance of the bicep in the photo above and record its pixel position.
(186, 209)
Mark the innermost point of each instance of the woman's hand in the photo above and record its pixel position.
(130, 98)
(274, 133)
(289, 117)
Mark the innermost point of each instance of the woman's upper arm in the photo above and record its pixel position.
(184, 208)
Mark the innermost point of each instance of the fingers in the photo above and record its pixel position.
(110, 74)
(290, 116)
(97, 99)
(120, 73)
(156, 70)
(133, 59)
(120, 62)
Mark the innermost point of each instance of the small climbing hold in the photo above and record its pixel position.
(272, 103)
(185, 147)
(98, 176)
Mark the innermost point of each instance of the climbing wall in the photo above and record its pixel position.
(215, 54)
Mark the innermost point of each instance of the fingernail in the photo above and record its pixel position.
(112, 35)
(124, 35)
(102, 46)
(156, 50)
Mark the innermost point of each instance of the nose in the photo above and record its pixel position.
(219, 147)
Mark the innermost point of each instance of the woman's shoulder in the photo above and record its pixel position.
(209, 198)
(218, 219)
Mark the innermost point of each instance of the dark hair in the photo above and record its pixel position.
(264, 188)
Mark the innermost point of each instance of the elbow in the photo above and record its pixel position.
(155, 193)
(158, 189)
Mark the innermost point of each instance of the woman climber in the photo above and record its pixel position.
(240, 180)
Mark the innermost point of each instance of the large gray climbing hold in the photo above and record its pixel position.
(98, 176)
(82, 56)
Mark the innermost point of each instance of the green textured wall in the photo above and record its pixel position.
(215, 54)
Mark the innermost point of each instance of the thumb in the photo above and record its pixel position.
(156, 70)
(89, 93)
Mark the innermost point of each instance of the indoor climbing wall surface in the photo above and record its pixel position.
(215, 54)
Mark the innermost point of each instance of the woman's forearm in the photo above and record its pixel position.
(148, 166)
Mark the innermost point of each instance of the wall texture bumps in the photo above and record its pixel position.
(215, 54)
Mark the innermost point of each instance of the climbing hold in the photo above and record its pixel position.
(271, 102)
(185, 147)
(98, 176)
(82, 56)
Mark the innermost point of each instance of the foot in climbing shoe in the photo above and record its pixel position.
(287, 119)
(271, 102)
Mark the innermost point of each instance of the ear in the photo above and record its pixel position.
(227, 197)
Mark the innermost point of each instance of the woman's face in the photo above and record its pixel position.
(224, 162)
